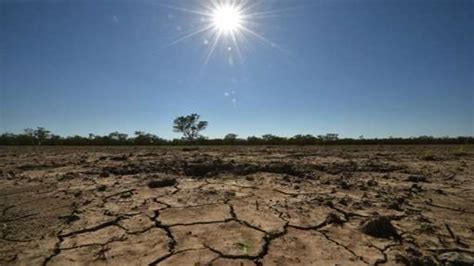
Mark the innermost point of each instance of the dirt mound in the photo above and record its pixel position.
(379, 227)
(162, 182)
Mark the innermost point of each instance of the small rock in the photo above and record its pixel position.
(394, 205)
(380, 227)
(70, 218)
(68, 176)
(416, 260)
(416, 188)
(416, 178)
(372, 183)
(104, 174)
(287, 178)
(333, 218)
(163, 182)
(123, 157)
(199, 169)
(344, 185)
(429, 158)
(343, 201)
(126, 195)
(190, 149)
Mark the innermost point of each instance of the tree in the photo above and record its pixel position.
(303, 139)
(29, 132)
(41, 134)
(190, 126)
(118, 138)
(143, 138)
(332, 136)
(230, 137)
(28, 137)
(253, 140)
(272, 139)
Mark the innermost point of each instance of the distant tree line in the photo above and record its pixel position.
(191, 126)
(42, 136)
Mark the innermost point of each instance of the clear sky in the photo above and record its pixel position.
(353, 67)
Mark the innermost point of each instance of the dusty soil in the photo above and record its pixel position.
(407, 205)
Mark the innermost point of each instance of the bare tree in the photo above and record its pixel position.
(190, 126)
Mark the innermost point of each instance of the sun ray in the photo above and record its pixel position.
(273, 13)
(177, 8)
(236, 44)
(265, 40)
(213, 47)
(189, 35)
(230, 22)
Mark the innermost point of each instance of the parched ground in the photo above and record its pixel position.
(407, 205)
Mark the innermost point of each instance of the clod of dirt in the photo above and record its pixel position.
(104, 174)
(429, 158)
(163, 182)
(126, 195)
(394, 205)
(380, 227)
(416, 260)
(119, 158)
(70, 218)
(372, 183)
(190, 149)
(456, 258)
(68, 176)
(249, 178)
(198, 169)
(344, 185)
(417, 178)
(333, 218)
(416, 188)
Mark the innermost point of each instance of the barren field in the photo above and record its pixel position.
(407, 205)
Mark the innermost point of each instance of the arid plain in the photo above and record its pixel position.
(237, 205)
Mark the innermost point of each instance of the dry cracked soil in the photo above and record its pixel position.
(354, 205)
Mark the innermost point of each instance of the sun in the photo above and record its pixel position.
(227, 19)
(226, 23)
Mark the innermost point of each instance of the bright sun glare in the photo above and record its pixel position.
(226, 22)
(227, 18)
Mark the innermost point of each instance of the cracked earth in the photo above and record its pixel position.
(393, 205)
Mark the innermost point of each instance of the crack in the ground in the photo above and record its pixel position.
(294, 193)
(4, 211)
(164, 257)
(345, 247)
(56, 249)
(94, 228)
(19, 218)
(234, 218)
(172, 244)
(448, 208)
(117, 194)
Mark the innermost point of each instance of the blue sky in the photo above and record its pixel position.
(354, 67)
